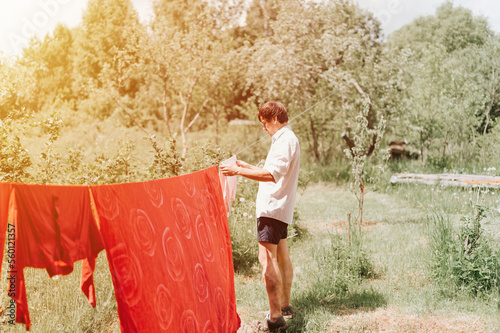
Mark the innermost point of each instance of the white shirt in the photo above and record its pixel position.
(277, 200)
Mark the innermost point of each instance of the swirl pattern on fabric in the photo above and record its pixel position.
(174, 255)
(189, 186)
(129, 273)
(144, 232)
(164, 307)
(220, 308)
(200, 283)
(205, 238)
(209, 205)
(182, 219)
(109, 208)
(154, 192)
(169, 260)
(224, 261)
(189, 323)
(209, 327)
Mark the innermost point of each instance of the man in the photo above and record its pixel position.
(274, 210)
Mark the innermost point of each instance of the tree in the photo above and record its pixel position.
(108, 29)
(452, 27)
(183, 57)
(315, 48)
(17, 87)
(451, 84)
(51, 61)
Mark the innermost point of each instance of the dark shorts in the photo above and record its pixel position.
(271, 230)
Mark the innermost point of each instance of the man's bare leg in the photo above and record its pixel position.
(272, 277)
(286, 270)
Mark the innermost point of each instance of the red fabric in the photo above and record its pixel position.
(4, 215)
(169, 253)
(54, 228)
(228, 184)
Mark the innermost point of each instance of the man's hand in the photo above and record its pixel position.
(229, 170)
(243, 164)
(247, 170)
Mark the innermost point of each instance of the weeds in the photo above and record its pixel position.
(242, 227)
(335, 275)
(464, 259)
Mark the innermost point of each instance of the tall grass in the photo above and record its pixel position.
(58, 304)
(330, 289)
(464, 258)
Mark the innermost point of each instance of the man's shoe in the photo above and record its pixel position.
(267, 325)
(287, 312)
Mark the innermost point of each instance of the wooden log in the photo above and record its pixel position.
(447, 180)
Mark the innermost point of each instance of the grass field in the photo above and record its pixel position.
(399, 295)
(334, 290)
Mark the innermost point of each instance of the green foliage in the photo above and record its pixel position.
(453, 27)
(193, 68)
(51, 62)
(343, 266)
(242, 226)
(164, 164)
(48, 159)
(465, 259)
(365, 141)
(14, 158)
(449, 99)
(204, 155)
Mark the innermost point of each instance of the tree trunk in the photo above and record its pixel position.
(360, 176)
(491, 103)
(216, 116)
(360, 207)
(166, 115)
(315, 140)
(329, 153)
(181, 125)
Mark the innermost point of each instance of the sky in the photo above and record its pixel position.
(21, 19)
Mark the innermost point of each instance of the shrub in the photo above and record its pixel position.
(342, 265)
(242, 226)
(164, 163)
(14, 158)
(464, 259)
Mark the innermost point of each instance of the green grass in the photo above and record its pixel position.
(58, 304)
(402, 295)
(329, 294)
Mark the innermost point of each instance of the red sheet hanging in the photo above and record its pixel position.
(169, 253)
(4, 215)
(54, 227)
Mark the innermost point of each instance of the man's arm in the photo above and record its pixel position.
(247, 170)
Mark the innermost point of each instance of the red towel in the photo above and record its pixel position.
(54, 227)
(169, 253)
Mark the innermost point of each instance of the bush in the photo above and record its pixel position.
(464, 259)
(242, 226)
(342, 265)
(14, 158)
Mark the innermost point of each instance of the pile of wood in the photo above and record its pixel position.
(447, 180)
